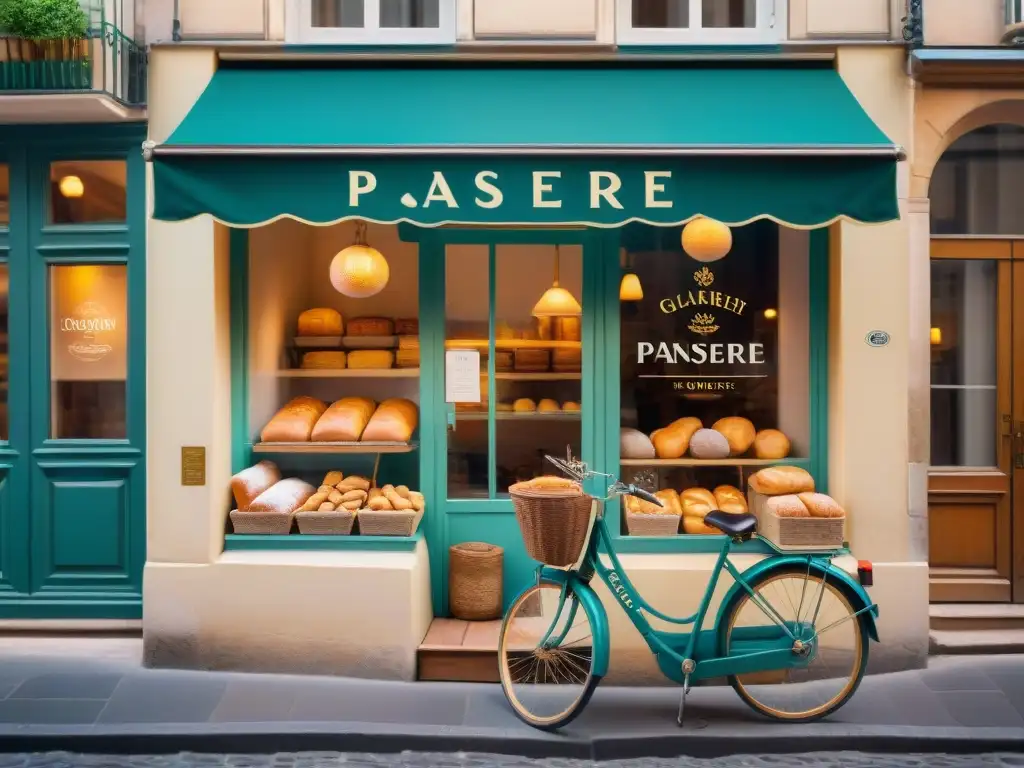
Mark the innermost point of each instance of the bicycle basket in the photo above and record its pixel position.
(553, 522)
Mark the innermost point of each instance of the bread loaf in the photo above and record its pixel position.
(313, 502)
(820, 505)
(787, 506)
(354, 483)
(572, 407)
(739, 432)
(730, 499)
(407, 326)
(344, 421)
(696, 503)
(634, 444)
(771, 444)
(672, 442)
(283, 497)
(371, 326)
(547, 405)
(524, 405)
(333, 478)
(777, 481)
(372, 359)
(325, 359)
(320, 322)
(671, 505)
(394, 421)
(294, 422)
(709, 444)
(637, 506)
(251, 482)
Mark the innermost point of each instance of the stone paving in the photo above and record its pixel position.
(472, 760)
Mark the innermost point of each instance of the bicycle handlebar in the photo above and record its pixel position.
(579, 471)
(640, 493)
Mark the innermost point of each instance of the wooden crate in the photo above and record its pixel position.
(795, 533)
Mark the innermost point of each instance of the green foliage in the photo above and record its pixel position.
(43, 19)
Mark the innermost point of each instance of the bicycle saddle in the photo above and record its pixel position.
(730, 523)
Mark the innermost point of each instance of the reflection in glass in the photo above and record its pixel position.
(5, 195)
(661, 14)
(731, 14)
(88, 191)
(467, 314)
(338, 13)
(88, 351)
(977, 187)
(539, 384)
(410, 14)
(963, 368)
(5, 377)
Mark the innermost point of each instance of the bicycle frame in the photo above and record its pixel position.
(753, 649)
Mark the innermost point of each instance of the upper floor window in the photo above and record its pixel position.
(384, 22)
(647, 22)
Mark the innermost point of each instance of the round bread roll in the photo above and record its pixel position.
(738, 431)
(547, 405)
(708, 444)
(730, 499)
(672, 442)
(696, 503)
(777, 481)
(634, 444)
(524, 405)
(503, 407)
(771, 444)
(569, 405)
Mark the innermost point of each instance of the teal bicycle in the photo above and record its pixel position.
(791, 635)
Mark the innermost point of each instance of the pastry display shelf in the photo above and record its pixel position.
(545, 376)
(691, 462)
(510, 344)
(521, 416)
(330, 448)
(349, 373)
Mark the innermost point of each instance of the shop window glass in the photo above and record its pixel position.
(375, 21)
(88, 311)
(728, 339)
(4, 354)
(88, 192)
(728, 14)
(674, 21)
(5, 195)
(963, 367)
(977, 186)
(404, 14)
(338, 13)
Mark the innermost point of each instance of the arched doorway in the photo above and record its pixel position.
(976, 483)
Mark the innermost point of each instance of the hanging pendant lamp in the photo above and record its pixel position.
(629, 288)
(556, 301)
(359, 271)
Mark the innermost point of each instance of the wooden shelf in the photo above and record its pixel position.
(369, 448)
(349, 373)
(513, 376)
(522, 416)
(707, 462)
(510, 344)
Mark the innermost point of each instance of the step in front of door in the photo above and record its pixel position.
(459, 651)
(975, 617)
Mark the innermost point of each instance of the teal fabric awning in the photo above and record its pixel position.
(526, 145)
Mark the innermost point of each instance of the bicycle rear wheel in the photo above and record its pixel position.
(833, 642)
(545, 656)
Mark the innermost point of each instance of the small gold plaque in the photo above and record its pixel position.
(193, 465)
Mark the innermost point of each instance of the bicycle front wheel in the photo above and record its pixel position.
(832, 641)
(545, 656)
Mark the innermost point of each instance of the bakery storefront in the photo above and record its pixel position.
(409, 310)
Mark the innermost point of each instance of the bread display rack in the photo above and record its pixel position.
(333, 447)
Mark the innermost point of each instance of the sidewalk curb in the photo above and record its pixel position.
(730, 739)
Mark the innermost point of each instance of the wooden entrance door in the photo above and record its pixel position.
(976, 483)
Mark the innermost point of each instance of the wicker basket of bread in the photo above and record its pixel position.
(264, 503)
(392, 510)
(790, 514)
(331, 511)
(646, 519)
(554, 516)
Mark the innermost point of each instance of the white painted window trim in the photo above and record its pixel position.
(772, 25)
(299, 28)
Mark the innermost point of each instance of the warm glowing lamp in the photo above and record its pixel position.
(71, 186)
(556, 301)
(935, 335)
(630, 288)
(359, 271)
(706, 239)
(771, 314)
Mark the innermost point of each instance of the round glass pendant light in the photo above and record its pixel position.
(359, 271)
(706, 239)
(71, 186)
(556, 301)
(630, 288)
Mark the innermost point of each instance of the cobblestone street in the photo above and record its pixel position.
(467, 760)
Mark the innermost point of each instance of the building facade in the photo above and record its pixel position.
(73, 275)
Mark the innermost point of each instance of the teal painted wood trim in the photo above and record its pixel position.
(818, 265)
(492, 384)
(72, 606)
(686, 544)
(241, 448)
(497, 506)
(480, 236)
(296, 542)
(611, 377)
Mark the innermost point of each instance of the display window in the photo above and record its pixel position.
(716, 353)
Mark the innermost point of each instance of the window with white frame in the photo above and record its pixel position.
(370, 22)
(647, 22)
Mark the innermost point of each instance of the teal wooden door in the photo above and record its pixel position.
(74, 499)
(477, 291)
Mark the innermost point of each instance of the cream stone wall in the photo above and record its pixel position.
(956, 23)
(837, 19)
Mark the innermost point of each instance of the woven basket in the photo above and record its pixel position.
(795, 533)
(316, 523)
(475, 581)
(652, 525)
(553, 524)
(261, 523)
(374, 523)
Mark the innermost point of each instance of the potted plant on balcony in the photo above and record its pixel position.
(49, 30)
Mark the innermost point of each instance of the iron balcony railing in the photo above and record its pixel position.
(105, 61)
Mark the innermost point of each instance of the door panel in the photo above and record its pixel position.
(1016, 439)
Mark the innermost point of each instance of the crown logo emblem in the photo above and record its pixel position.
(704, 324)
(704, 277)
